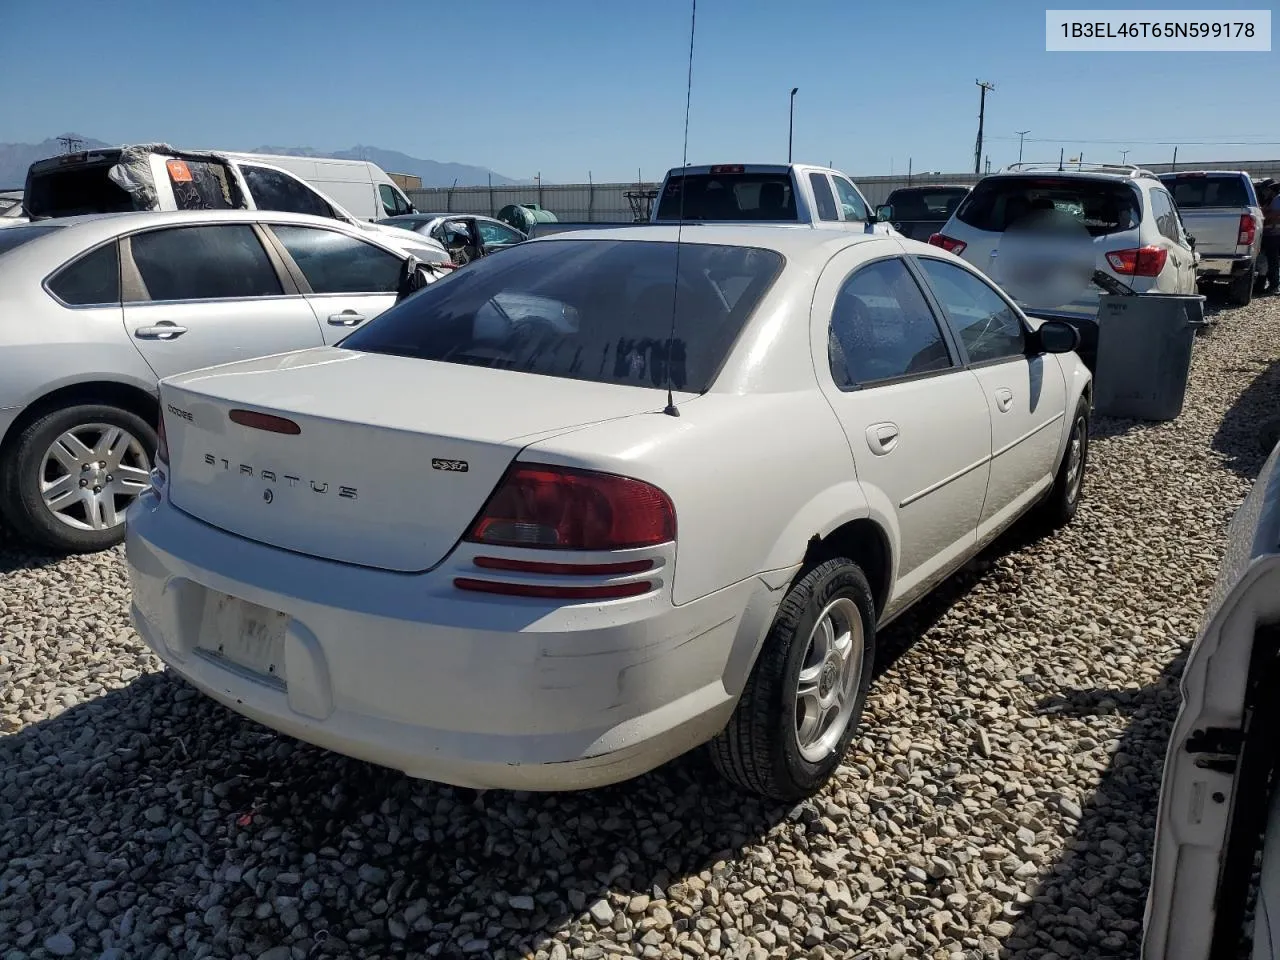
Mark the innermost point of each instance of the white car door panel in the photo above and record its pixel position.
(1026, 395)
(351, 281)
(205, 295)
(916, 421)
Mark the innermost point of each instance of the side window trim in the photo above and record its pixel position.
(968, 362)
(956, 357)
(47, 282)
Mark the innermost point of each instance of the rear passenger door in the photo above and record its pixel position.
(202, 295)
(1025, 394)
(915, 418)
(347, 281)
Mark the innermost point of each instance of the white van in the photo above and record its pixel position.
(156, 176)
(360, 186)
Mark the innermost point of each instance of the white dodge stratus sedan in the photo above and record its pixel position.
(561, 516)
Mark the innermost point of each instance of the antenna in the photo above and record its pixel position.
(671, 410)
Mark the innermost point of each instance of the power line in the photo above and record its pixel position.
(1189, 141)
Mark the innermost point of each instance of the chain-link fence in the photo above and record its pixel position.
(582, 202)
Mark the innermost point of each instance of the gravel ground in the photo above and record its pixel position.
(999, 801)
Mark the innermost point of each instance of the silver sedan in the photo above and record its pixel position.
(95, 309)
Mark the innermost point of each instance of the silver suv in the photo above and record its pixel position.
(1128, 215)
(95, 309)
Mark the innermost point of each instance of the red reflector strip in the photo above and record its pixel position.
(563, 569)
(264, 421)
(613, 591)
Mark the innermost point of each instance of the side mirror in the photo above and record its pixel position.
(884, 212)
(1191, 241)
(1055, 336)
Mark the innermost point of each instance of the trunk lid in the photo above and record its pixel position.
(393, 456)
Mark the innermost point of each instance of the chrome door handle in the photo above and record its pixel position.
(347, 318)
(1004, 399)
(164, 330)
(882, 438)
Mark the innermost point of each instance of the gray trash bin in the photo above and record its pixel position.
(1144, 353)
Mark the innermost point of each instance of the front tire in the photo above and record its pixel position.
(804, 698)
(72, 473)
(1063, 501)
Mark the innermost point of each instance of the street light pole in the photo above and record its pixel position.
(791, 122)
(1021, 134)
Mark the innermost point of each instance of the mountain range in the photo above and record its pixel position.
(15, 158)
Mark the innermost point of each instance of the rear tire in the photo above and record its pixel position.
(770, 747)
(30, 470)
(1060, 507)
(1240, 291)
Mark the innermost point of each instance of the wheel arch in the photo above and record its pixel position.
(113, 393)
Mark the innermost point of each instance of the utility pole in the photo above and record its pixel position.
(70, 144)
(1175, 159)
(791, 122)
(988, 169)
(982, 112)
(1021, 134)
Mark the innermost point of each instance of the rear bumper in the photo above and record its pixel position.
(407, 672)
(1224, 266)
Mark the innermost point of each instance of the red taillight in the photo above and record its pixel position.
(162, 442)
(603, 591)
(264, 421)
(949, 244)
(1248, 230)
(559, 508)
(1138, 262)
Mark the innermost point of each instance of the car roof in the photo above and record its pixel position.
(1203, 173)
(787, 239)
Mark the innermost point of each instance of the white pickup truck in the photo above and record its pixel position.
(1220, 799)
(765, 193)
(1220, 209)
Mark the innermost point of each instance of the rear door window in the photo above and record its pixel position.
(276, 190)
(1166, 217)
(1102, 206)
(728, 197)
(823, 196)
(1191, 192)
(598, 310)
(200, 184)
(92, 280)
(221, 262)
(332, 262)
(850, 202)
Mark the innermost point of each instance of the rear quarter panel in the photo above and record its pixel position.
(753, 479)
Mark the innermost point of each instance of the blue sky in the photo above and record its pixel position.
(563, 87)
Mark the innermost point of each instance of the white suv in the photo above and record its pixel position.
(1137, 234)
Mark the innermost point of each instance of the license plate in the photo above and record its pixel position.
(245, 636)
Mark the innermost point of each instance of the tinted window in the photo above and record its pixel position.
(76, 189)
(93, 279)
(823, 196)
(882, 328)
(729, 196)
(1166, 218)
(496, 233)
(274, 190)
(204, 263)
(13, 237)
(596, 310)
(922, 203)
(1190, 192)
(1103, 206)
(392, 202)
(200, 185)
(988, 327)
(850, 203)
(332, 262)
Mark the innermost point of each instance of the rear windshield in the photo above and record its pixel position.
(729, 196)
(923, 203)
(13, 237)
(69, 191)
(597, 310)
(1103, 206)
(1190, 192)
